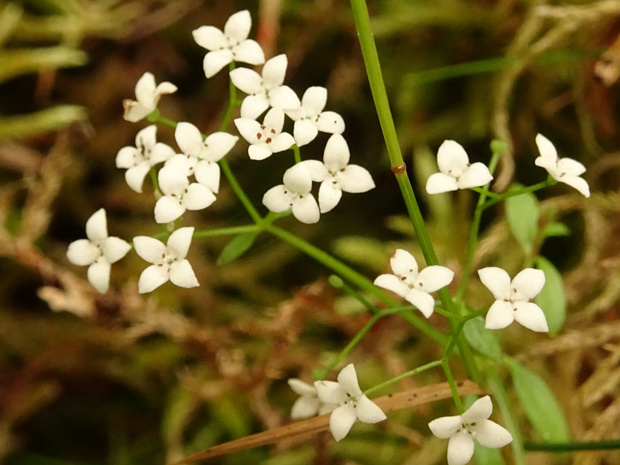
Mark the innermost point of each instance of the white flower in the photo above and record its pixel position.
(310, 117)
(513, 298)
(231, 45)
(456, 171)
(463, 429)
(295, 194)
(179, 195)
(138, 160)
(97, 252)
(415, 286)
(267, 138)
(265, 91)
(336, 175)
(352, 404)
(200, 156)
(308, 404)
(168, 261)
(564, 170)
(148, 95)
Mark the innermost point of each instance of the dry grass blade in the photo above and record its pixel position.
(388, 403)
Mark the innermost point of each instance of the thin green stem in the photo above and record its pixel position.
(396, 379)
(520, 191)
(297, 153)
(613, 444)
(338, 283)
(453, 389)
(232, 101)
(233, 230)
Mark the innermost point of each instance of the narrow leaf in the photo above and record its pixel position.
(552, 299)
(539, 404)
(555, 229)
(481, 339)
(237, 247)
(522, 212)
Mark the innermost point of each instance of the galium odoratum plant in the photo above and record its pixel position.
(188, 178)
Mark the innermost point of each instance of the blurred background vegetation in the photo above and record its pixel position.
(123, 379)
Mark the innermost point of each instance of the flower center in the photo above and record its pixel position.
(266, 134)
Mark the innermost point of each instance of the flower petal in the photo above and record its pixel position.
(392, 283)
(278, 199)
(254, 105)
(208, 174)
(218, 144)
(577, 183)
(531, 316)
(249, 52)
(247, 80)
(284, 97)
(367, 411)
(569, 167)
(355, 179)
(151, 278)
(248, 128)
(497, 281)
(198, 197)
(259, 151)
(182, 274)
(301, 388)
(423, 301)
(347, 378)
(274, 119)
(452, 158)
(445, 427)
(145, 90)
(318, 171)
(341, 421)
(214, 61)
(330, 122)
(460, 449)
(336, 155)
(527, 284)
(479, 410)
(547, 149)
(188, 138)
(490, 434)
(475, 175)
(438, 183)
(149, 249)
(500, 315)
(433, 278)
(135, 176)
(209, 37)
(172, 181)
(329, 195)
(82, 252)
(314, 100)
(330, 392)
(305, 132)
(238, 26)
(281, 142)
(160, 153)
(99, 275)
(404, 264)
(305, 407)
(168, 209)
(274, 71)
(127, 157)
(298, 179)
(114, 249)
(179, 242)
(97, 226)
(305, 209)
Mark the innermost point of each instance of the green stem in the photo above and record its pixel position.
(453, 389)
(297, 153)
(523, 190)
(396, 379)
(573, 446)
(233, 230)
(232, 101)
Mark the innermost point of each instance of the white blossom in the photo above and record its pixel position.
(564, 170)
(231, 45)
(147, 95)
(462, 430)
(138, 160)
(200, 156)
(352, 403)
(513, 298)
(97, 252)
(310, 117)
(308, 404)
(415, 286)
(294, 194)
(336, 175)
(266, 90)
(267, 138)
(168, 261)
(456, 171)
(179, 195)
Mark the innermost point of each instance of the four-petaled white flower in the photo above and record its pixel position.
(200, 156)
(456, 171)
(336, 175)
(564, 170)
(308, 404)
(265, 91)
(148, 94)
(179, 195)
(267, 138)
(415, 286)
(231, 45)
(310, 117)
(462, 430)
(168, 261)
(138, 160)
(352, 403)
(294, 194)
(513, 298)
(97, 252)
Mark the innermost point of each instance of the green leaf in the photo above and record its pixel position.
(539, 404)
(482, 339)
(555, 229)
(237, 247)
(522, 212)
(552, 299)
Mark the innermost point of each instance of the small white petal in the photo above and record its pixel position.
(198, 197)
(208, 174)
(434, 278)
(97, 226)
(460, 449)
(259, 151)
(314, 100)
(330, 392)
(274, 71)
(134, 111)
(247, 80)
(171, 181)
(99, 275)
(168, 209)
(238, 26)
(368, 412)
(182, 274)
(278, 199)
(452, 158)
(438, 183)
(284, 97)
(149, 249)
(248, 128)
(151, 278)
(249, 52)
(305, 132)
(490, 434)
(318, 171)
(281, 142)
(392, 283)
(274, 119)
(341, 421)
(347, 378)
(329, 195)
(475, 175)
(336, 155)
(531, 316)
(254, 105)
(145, 89)
(179, 242)
(135, 175)
(528, 284)
(497, 281)
(306, 210)
(547, 149)
(188, 138)
(445, 427)
(298, 179)
(125, 158)
(404, 264)
(114, 249)
(423, 301)
(82, 252)
(301, 388)
(479, 410)
(355, 179)
(214, 61)
(219, 144)
(500, 315)
(305, 407)
(577, 183)
(160, 153)
(330, 122)
(209, 37)
(569, 167)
